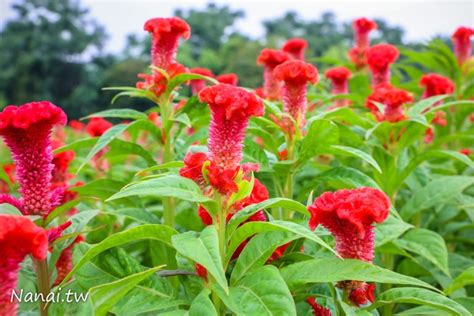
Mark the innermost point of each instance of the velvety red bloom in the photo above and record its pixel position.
(295, 47)
(157, 82)
(318, 310)
(223, 180)
(64, 263)
(358, 57)
(462, 43)
(199, 84)
(362, 294)
(229, 78)
(296, 74)
(270, 58)
(97, 126)
(392, 99)
(192, 168)
(339, 77)
(166, 33)
(379, 58)
(19, 237)
(260, 92)
(465, 151)
(77, 125)
(362, 27)
(231, 107)
(27, 132)
(435, 84)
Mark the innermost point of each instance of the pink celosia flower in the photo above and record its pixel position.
(358, 57)
(64, 263)
(295, 47)
(199, 84)
(379, 58)
(270, 58)
(97, 126)
(362, 27)
(318, 310)
(349, 215)
(296, 74)
(435, 84)
(339, 77)
(19, 237)
(462, 43)
(229, 78)
(392, 99)
(165, 39)
(27, 131)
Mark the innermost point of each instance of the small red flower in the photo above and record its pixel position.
(201, 271)
(166, 33)
(392, 98)
(318, 310)
(97, 126)
(295, 47)
(157, 82)
(379, 58)
(358, 57)
(192, 168)
(362, 27)
(462, 43)
(229, 78)
(61, 163)
(270, 58)
(359, 293)
(435, 84)
(339, 77)
(199, 84)
(465, 151)
(440, 119)
(64, 263)
(223, 180)
(76, 125)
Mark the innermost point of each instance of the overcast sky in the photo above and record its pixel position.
(421, 19)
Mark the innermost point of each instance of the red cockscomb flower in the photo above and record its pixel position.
(318, 310)
(229, 78)
(270, 58)
(157, 82)
(358, 57)
(64, 263)
(27, 132)
(61, 163)
(19, 237)
(199, 84)
(435, 84)
(76, 125)
(166, 33)
(392, 99)
(339, 77)
(296, 74)
(192, 168)
(462, 43)
(362, 27)
(465, 151)
(295, 47)
(379, 58)
(97, 126)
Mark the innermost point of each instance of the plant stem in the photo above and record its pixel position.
(388, 261)
(41, 268)
(220, 222)
(168, 203)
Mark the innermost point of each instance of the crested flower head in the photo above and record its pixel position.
(379, 59)
(435, 84)
(392, 99)
(166, 33)
(270, 58)
(295, 74)
(229, 78)
(19, 237)
(97, 126)
(27, 132)
(231, 108)
(462, 43)
(295, 47)
(340, 83)
(318, 310)
(362, 27)
(199, 84)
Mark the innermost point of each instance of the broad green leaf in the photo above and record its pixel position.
(161, 233)
(334, 270)
(360, 154)
(9, 209)
(183, 119)
(184, 77)
(105, 296)
(119, 113)
(346, 177)
(420, 296)
(203, 250)
(120, 147)
(202, 305)
(389, 230)
(435, 193)
(138, 214)
(168, 165)
(320, 136)
(421, 106)
(462, 280)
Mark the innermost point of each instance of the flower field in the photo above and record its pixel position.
(338, 187)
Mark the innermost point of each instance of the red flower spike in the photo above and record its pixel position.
(231, 107)
(166, 33)
(192, 168)
(270, 58)
(97, 126)
(76, 125)
(199, 84)
(357, 56)
(349, 215)
(318, 310)
(64, 263)
(295, 47)
(229, 78)
(435, 84)
(295, 74)
(27, 130)
(379, 59)
(462, 43)
(362, 294)
(339, 77)
(392, 98)
(223, 180)
(19, 237)
(61, 163)
(362, 27)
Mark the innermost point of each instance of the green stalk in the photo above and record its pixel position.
(220, 222)
(42, 274)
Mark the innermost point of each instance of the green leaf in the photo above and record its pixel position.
(203, 250)
(345, 177)
(161, 233)
(425, 297)
(320, 136)
(421, 106)
(334, 270)
(360, 154)
(202, 305)
(183, 119)
(105, 296)
(262, 292)
(9, 209)
(436, 192)
(120, 147)
(465, 278)
(184, 77)
(168, 165)
(119, 113)
(390, 230)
